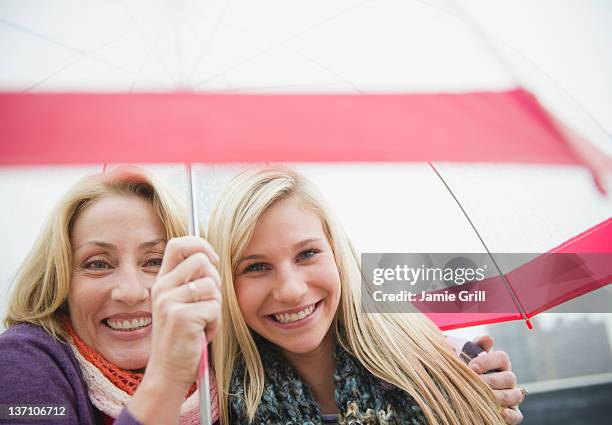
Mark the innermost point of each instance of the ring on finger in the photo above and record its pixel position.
(524, 392)
(193, 290)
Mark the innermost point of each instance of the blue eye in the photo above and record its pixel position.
(309, 253)
(97, 265)
(256, 267)
(154, 262)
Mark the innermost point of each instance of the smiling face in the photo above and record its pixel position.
(117, 245)
(287, 282)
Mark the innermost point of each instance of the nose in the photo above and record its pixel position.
(290, 287)
(131, 286)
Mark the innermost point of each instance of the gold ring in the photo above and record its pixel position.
(193, 290)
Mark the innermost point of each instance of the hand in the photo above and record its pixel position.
(503, 382)
(186, 300)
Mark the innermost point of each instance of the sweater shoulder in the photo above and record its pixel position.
(25, 343)
(39, 369)
(27, 333)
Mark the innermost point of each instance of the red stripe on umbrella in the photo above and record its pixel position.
(508, 126)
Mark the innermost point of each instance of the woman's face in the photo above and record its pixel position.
(117, 246)
(287, 282)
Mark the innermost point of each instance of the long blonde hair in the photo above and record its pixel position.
(407, 351)
(40, 289)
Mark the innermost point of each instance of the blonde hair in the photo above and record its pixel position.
(42, 283)
(406, 350)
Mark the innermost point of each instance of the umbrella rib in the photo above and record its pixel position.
(41, 36)
(146, 57)
(326, 68)
(207, 41)
(178, 54)
(515, 299)
(148, 41)
(83, 54)
(282, 42)
(189, 86)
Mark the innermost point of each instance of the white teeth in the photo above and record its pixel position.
(288, 318)
(126, 325)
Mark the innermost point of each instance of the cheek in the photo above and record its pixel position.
(85, 298)
(328, 277)
(250, 298)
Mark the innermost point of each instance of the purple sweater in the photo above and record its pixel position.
(37, 369)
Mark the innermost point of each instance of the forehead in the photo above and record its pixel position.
(287, 220)
(117, 216)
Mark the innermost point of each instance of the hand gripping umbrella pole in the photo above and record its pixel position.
(203, 373)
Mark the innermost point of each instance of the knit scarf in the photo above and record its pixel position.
(362, 399)
(110, 388)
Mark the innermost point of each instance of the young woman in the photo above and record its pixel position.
(295, 347)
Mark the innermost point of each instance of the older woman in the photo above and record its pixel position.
(296, 348)
(94, 304)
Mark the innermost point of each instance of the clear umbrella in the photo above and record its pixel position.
(462, 98)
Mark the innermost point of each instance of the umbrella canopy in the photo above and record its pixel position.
(424, 85)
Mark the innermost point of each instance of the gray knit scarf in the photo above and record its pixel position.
(362, 399)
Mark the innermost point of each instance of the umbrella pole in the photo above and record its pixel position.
(203, 371)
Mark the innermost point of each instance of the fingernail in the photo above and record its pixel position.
(505, 413)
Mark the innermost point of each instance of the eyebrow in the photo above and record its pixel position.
(97, 243)
(261, 257)
(306, 242)
(151, 243)
(111, 246)
(251, 257)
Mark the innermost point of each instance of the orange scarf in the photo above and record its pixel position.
(123, 379)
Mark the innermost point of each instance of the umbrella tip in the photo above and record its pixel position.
(529, 324)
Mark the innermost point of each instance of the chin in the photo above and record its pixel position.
(132, 364)
(301, 345)
(128, 360)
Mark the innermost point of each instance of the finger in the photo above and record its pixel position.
(193, 292)
(206, 315)
(508, 398)
(512, 416)
(495, 360)
(485, 342)
(500, 380)
(195, 266)
(178, 249)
